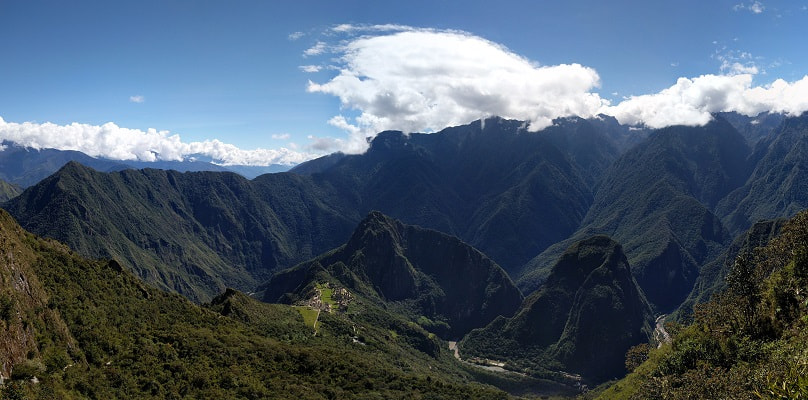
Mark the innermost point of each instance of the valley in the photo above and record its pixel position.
(554, 253)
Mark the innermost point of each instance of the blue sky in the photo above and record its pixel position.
(231, 71)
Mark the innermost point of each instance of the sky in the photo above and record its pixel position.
(268, 82)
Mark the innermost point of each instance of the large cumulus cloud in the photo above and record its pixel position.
(691, 101)
(117, 143)
(412, 79)
(422, 80)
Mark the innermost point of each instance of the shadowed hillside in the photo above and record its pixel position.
(656, 199)
(435, 279)
(582, 320)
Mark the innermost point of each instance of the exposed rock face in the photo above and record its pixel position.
(434, 275)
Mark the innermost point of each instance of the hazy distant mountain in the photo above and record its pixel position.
(430, 276)
(25, 166)
(583, 319)
(318, 164)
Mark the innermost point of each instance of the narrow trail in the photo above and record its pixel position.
(314, 326)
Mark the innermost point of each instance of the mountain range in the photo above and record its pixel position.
(601, 226)
(510, 203)
(25, 166)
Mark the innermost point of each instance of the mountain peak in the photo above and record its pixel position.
(585, 256)
(432, 274)
(585, 317)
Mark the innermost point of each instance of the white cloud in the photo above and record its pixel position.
(280, 136)
(326, 144)
(351, 28)
(736, 68)
(755, 7)
(317, 49)
(424, 80)
(137, 99)
(691, 101)
(734, 62)
(296, 35)
(310, 68)
(117, 143)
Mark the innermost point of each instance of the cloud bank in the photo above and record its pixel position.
(421, 80)
(117, 143)
(691, 101)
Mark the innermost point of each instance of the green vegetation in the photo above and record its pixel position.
(443, 284)
(309, 315)
(748, 342)
(326, 294)
(190, 233)
(198, 233)
(90, 329)
(657, 201)
(777, 185)
(582, 321)
(8, 191)
(98, 332)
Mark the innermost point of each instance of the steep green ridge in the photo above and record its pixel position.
(778, 186)
(656, 200)
(437, 280)
(193, 233)
(90, 329)
(712, 277)
(8, 191)
(747, 343)
(582, 320)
